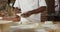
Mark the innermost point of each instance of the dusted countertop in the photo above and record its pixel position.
(4, 22)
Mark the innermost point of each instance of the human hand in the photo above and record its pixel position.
(26, 14)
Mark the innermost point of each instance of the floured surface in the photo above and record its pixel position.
(35, 27)
(4, 22)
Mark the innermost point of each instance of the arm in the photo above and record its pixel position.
(38, 10)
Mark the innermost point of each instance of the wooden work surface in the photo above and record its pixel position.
(33, 30)
(5, 25)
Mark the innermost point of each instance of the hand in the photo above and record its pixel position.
(26, 14)
(17, 10)
(16, 19)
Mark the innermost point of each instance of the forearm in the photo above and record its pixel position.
(38, 10)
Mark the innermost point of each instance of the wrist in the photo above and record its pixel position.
(31, 12)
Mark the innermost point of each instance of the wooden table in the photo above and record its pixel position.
(5, 25)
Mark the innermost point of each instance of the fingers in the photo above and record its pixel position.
(25, 15)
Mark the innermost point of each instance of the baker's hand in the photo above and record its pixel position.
(26, 14)
(17, 10)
